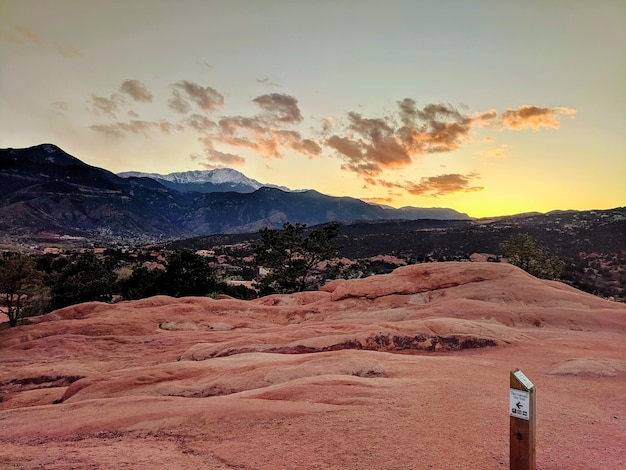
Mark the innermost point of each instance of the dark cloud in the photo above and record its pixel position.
(265, 132)
(534, 117)
(443, 185)
(409, 112)
(433, 129)
(379, 142)
(279, 108)
(370, 145)
(352, 154)
(136, 90)
(206, 98)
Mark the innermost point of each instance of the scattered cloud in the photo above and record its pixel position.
(221, 159)
(370, 145)
(24, 34)
(178, 103)
(443, 185)
(377, 200)
(108, 106)
(60, 107)
(136, 90)
(432, 186)
(138, 127)
(485, 119)
(10, 37)
(120, 130)
(201, 123)
(279, 108)
(167, 127)
(216, 159)
(269, 142)
(69, 51)
(534, 117)
(108, 130)
(231, 125)
(264, 133)
(267, 82)
(437, 128)
(500, 152)
(307, 147)
(206, 98)
(28, 34)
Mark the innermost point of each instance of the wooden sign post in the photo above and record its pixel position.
(522, 411)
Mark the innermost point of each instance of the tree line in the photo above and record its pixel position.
(36, 284)
(291, 257)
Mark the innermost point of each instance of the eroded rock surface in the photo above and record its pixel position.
(361, 374)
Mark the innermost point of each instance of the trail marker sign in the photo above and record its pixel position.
(519, 404)
(522, 416)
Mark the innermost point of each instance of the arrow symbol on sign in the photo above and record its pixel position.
(519, 405)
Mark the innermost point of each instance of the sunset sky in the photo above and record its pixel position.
(487, 107)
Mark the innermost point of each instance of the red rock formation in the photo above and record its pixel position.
(404, 370)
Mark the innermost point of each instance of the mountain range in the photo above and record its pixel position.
(220, 180)
(45, 192)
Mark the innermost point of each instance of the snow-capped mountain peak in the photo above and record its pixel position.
(218, 180)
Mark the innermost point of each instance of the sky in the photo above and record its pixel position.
(487, 107)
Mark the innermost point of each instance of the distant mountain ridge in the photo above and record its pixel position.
(46, 192)
(205, 181)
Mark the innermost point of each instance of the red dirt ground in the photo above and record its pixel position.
(408, 370)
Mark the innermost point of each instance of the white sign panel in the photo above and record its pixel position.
(519, 404)
(525, 381)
